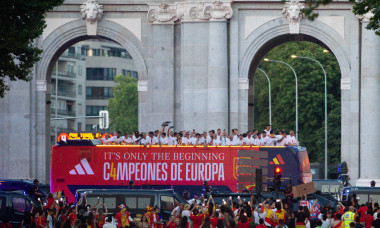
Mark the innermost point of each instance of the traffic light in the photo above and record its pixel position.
(277, 176)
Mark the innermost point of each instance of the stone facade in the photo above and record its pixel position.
(195, 61)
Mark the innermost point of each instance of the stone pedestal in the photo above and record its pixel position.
(370, 107)
(217, 76)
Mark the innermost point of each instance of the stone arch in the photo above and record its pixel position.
(75, 31)
(280, 27)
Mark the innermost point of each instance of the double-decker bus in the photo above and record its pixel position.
(79, 164)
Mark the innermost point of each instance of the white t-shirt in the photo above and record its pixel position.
(135, 140)
(246, 140)
(155, 140)
(143, 142)
(240, 142)
(216, 142)
(257, 142)
(148, 140)
(186, 141)
(50, 221)
(107, 141)
(164, 141)
(292, 140)
(270, 141)
(208, 139)
(230, 142)
(117, 140)
(171, 140)
(127, 140)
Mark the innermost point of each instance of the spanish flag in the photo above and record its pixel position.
(250, 187)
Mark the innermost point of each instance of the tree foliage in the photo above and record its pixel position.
(310, 96)
(21, 23)
(123, 107)
(360, 8)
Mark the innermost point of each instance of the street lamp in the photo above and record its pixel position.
(270, 99)
(324, 72)
(295, 75)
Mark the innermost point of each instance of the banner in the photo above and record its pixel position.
(86, 167)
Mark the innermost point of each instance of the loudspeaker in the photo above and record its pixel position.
(259, 180)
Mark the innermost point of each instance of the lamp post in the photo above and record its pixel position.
(270, 99)
(324, 72)
(295, 75)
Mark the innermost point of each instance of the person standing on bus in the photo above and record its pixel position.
(292, 141)
(100, 216)
(122, 217)
(117, 139)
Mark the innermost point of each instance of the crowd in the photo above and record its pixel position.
(206, 213)
(194, 138)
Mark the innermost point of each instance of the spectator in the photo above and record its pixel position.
(171, 223)
(358, 224)
(337, 222)
(261, 225)
(376, 223)
(373, 184)
(206, 223)
(108, 223)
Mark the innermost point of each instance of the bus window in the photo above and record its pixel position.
(304, 161)
(18, 204)
(144, 201)
(131, 202)
(110, 202)
(376, 198)
(92, 200)
(363, 198)
(167, 203)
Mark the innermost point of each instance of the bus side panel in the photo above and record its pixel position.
(285, 158)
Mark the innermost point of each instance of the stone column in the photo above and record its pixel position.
(217, 108)
(370, 106)
(204, 73)
(161, 75)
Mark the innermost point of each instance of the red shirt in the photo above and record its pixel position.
(6, 225)
(41, 221)
(339, 212)
(244, 225)
(261, 226)
(50, 202)
(197, 220)
(157, 220)
(171, 224)
(361, 211)
(214, 222)
(122, 217)
(72, 218)
(368, 221)
(100, 221)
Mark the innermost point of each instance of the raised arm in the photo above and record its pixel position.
(105, 207)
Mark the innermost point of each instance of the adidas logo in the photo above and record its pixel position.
(277, 160)
(79, 169)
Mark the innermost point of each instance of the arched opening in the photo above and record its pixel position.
(83, 75)
(311, 93)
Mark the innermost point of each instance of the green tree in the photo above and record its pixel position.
(310, 96)
(360, 8)
(123, 107)
(21, 23)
